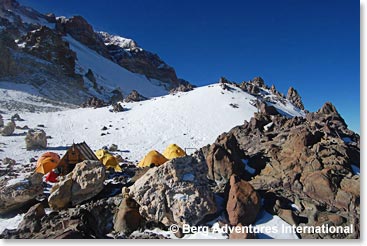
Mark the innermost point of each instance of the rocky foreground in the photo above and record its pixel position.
(302, 169)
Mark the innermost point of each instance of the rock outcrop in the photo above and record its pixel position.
(19, 194)
(83, 32)
(49, 45)
(295, 98)
(129, 55)
(7, 63)
(87, 221)
(176, 192)
(134, 96)
(36, 139)
(243, 202)
(224, 158)
(94, 102)
(83, 183)
(305, 161)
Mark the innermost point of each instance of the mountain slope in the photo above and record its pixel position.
(36, 52)
(110, 75)
(191, 119)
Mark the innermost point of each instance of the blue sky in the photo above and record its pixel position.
(312, 45)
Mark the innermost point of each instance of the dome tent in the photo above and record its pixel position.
(152, 158)
(47, 162)
(173, 151)
(108, 160)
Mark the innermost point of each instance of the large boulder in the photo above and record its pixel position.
(176, 192)
(224, 159)
(8, 129)
(36, 139)
(243, 202)
(83, 183)
(19, 194)
(128, 218)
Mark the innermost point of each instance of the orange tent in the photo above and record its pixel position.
(47, 162)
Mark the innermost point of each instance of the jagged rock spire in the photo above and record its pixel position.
(295, 98)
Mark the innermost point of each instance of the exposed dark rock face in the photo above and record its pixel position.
(134, 96)
(90, 220)
(7, 63)
(48, 45)
(258, 81)
(94, 102)
(183, 87)
(129, 55)
(295, 98)
(83, 32)
(92, 78)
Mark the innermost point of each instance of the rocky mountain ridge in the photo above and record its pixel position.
(36, 38)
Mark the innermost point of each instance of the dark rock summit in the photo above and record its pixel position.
(295, 98)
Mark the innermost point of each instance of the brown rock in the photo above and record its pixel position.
(295, 98)
(243, 202)
(134, 96)
(268, 109)
(318, 186)
(351, 185)
(128, 218)
(224, 159)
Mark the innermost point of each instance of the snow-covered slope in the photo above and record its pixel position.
(112, 76)
(191, 120)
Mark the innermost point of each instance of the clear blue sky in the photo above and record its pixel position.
(312, 45)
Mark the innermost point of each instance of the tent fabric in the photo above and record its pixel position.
(47, 162)
(108, 160)
(152, 158)
(173, 151)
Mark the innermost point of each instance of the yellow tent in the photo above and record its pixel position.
(173, 151)
(108, 160)
(47, 162)
(152, 158)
